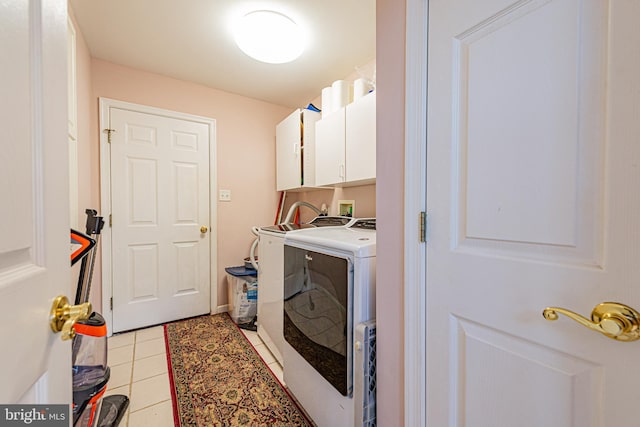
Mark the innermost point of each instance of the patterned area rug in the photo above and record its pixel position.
(218, 379)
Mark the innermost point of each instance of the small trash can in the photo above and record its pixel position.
(243, 296)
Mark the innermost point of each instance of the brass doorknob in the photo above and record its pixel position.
(63, 316)
(204, 229)
(614, 320)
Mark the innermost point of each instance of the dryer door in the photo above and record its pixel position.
(318, 315)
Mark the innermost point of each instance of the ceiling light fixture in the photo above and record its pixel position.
(270, 36)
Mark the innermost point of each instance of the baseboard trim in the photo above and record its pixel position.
(221, 309)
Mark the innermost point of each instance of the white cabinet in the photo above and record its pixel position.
(346, 144)
(360, 149)
(330, 148)
(295, 150)
(271, 292)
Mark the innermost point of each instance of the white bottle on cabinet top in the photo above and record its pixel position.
(346, 144)
(295, 150)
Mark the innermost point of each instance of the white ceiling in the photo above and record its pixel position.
(191, 40)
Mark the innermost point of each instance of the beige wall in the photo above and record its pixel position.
(390, 42)
(244, 143)
(88, 196)
(88, 183)
(364, 198)
(245, 150)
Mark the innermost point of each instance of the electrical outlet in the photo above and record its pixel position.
(224, 195)
(346, 207)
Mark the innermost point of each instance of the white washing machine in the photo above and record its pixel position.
(270, 277)
(329, 288)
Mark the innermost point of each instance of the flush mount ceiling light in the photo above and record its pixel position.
(269, 36)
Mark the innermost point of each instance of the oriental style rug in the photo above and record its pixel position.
(218, 379)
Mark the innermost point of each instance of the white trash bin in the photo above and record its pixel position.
(243, 295)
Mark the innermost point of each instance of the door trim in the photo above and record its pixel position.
(72, 123)
(415, 190)
(105, 199)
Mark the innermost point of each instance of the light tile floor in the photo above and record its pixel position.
(264, 352)
(139, 370)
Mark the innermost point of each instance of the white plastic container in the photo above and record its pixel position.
(243, 298)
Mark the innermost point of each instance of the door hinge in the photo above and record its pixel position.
(423, 227)
(109, 132)
(111, 303)
(110, 221)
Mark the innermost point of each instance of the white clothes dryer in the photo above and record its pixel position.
(270, 277)
(329, 288)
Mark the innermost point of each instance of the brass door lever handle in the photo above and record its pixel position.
(64, 316)
(614, 320)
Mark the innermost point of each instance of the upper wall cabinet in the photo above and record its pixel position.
(360, 133)
(346, 144)
(295, 151)
(330, 148)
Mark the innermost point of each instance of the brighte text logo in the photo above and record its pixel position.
(28, 416)
(34, 415)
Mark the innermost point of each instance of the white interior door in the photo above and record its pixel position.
(532, 191)
(159, 202)
(35, 365)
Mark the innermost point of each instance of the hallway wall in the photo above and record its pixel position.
(390, 41)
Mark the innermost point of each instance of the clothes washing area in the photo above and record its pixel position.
(329, 322)
(271, 277)
(316, 312)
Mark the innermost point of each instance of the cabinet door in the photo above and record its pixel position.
(330, 149)
(361, 139)
(288, 160)
(309, 120)
(270, 293)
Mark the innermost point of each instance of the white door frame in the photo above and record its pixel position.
(105, 198)
(415, 180)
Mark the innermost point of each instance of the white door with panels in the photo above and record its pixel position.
(160, 216)
(35, 364)
(532, 194)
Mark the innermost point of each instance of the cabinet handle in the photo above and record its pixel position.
(341, 171)
(296, 149)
